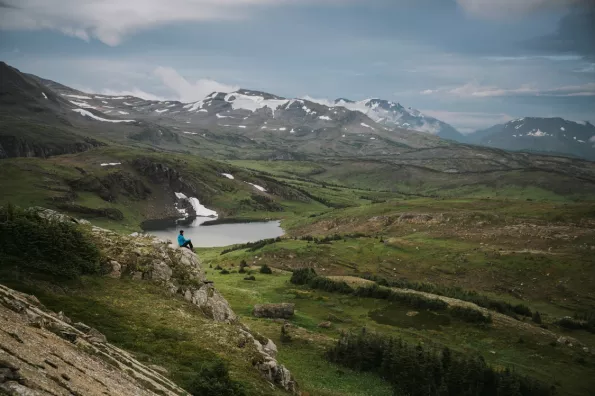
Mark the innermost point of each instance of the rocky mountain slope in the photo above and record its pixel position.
(393, 114)
(542, 135)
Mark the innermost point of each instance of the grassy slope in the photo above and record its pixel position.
(35, 182)
(501, 347)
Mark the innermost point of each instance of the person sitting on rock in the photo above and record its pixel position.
(183, 242)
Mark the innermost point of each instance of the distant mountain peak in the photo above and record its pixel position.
(553, 135)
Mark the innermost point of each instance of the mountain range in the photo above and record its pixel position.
(246, 121)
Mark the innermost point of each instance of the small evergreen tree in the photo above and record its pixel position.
(265, 269)
(537, 317)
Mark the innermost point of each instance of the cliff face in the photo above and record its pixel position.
(43, 353)
(12, 146)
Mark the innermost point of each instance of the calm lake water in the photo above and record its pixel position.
(213, 235)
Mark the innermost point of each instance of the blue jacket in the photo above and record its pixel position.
(181, 240)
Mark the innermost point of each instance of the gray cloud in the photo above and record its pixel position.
(475, 90)
(507, 8)
(575, 33)
(111, 20)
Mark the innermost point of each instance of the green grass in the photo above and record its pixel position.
(534, 356)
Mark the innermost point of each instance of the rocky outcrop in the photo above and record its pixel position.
(267, 364)
(274, 311)
(180, 272)
(42, 354)
(13, 146)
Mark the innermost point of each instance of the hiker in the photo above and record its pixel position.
(183, 242)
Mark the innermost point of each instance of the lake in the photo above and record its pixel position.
(213, 235)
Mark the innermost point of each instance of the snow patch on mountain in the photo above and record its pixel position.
(253, 103)
(84, 105)
(79, 96)
(256, 186)
(93, 116)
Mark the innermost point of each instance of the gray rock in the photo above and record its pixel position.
(137, 275)
(159, 369)
(274, 311)
(325, 325)
(212, 303)
(270, 348)
(115, 269)
(82, 327)
(95, 337)
(161, 271)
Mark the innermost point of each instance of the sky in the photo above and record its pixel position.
(471, 63)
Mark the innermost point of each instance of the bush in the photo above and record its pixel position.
(265, 269)
(418, 370)
(536, 317)
(45, 246)
(250, 278)
(242, 270)
(218, 268)
(470, 315)
(214, 380)
(224, 272)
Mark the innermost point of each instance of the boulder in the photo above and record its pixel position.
(212, 303)
(95, 337)
(114, 269)
(161, 271)
(325, 325)
(274, 311)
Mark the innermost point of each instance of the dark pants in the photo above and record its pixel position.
(188, 244)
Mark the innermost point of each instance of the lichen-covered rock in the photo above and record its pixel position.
(269, 368)
(274, 311)
(42, 361)
(161, 271)
(114, 269)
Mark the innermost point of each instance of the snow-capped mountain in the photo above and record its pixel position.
(544, 135)
(393, 114)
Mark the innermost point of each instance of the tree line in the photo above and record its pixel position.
(416, 370)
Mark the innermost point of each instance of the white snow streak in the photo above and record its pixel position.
(93, 116)
(229, 176)
(256, 186)
(78, 96)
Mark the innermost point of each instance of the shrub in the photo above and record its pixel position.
(470, 315)
(265, 269)
(536, 317)
(224, 272)
(214, 380)
(45, 246)
(250, 278)
(285, 336)
(242, 270)
(218, 268)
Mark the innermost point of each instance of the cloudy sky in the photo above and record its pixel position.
(472, 63)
